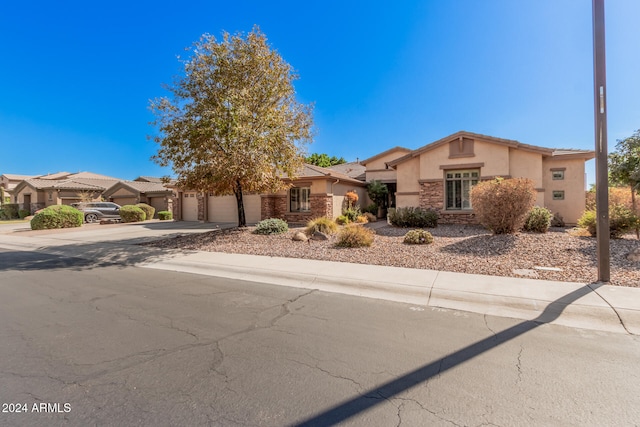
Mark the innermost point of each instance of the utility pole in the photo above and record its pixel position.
(600, 110)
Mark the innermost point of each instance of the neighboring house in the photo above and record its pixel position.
(8, 183)
(62, 188)
(133, 192)
(441, 175)
(314, 192)
(377, 168)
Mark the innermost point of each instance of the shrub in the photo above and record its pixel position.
(342, 220)
(322, 224)
(362, 219)
(149, 211)
(271, 226)
(378, 192)
(372, 209)
(10, 211)
(165, 215)
(413, 217)
(621, 220)
(351, 198)
(617, 196)
(501, 205)
(352, 213)
(557, 220)
(58, 216)
(418, 237)
(538, 220)
(371, 217)
(23, 213)
(355, 236)
(131, 213)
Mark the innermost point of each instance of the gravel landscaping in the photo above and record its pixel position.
(556, 255)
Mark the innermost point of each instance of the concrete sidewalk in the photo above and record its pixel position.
(589, 306)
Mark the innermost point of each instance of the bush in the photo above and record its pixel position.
(165, 215)
(342, 220)
(621, 220)
(538, 220)
(352, 213)
(271, 226)
(501, 205)
(355, 236)
(371, 217)
(418, 237)
(58, 216)
(149, 211)
(23, 213)
(372, 209)
(351, 198)
(617, 196)
(323, 224)
(10, 211)
(413, 217)
(362, 219)
(557, 220)
(131, 213)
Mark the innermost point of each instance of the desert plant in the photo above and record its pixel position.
(418, 237)
(342, 220)
(557, 220)
(371, 208)
(362, 219)
(23, 213)
(10, 211)
(371, 217)
(165, 215)
(621, 220)
(58, 216)
(501, 205)
(132, 213)
(538, 220)
(149, 211)
(378, 192)
(351, 198)
(352, 213)
(413, 217)
(271, 226)
(322, 224)
(355, 236)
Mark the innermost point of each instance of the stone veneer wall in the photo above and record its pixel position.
(275, 206)
(201, 202)
(432, 197)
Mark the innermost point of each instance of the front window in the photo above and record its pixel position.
(299, 199)
(459, 185)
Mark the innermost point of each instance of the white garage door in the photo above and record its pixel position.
(189, 206)
(225, 208)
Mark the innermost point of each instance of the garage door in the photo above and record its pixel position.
(225, 208)
(189, 206)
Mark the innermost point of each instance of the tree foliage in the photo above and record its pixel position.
(323, 160)
(624, 168)
(232, 123)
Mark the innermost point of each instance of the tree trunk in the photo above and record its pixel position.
(242, 221)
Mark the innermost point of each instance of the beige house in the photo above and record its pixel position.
(133, 192)
(440, 175)
(8, 183)
(315, 192)
(62, 188)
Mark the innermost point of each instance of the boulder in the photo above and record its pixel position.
(299, 237)
(634, 255)
(318, 235)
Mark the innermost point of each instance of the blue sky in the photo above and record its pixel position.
(76, 77)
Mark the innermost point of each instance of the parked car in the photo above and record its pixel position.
(95, 211)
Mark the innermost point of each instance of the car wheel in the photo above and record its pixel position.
(91, 218)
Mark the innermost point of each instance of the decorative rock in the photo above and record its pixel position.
(299, 237)
(634, 255)
(318, 235)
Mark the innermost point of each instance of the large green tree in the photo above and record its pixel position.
(232, 123)
(323, 160)
(624, 165)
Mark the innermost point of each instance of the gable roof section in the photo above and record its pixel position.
(544, 151)
(148, 179)
(140, 187)
(353, 170)
(15, 177)
(316, 172)
(384, 153)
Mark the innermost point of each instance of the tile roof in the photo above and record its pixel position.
(352, 169)
(140, 186)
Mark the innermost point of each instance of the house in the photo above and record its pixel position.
(314, 192)
(8, 183)
(62, 188)
(149, 191)
(440, 175)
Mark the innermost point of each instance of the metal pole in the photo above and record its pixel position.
(600, 110)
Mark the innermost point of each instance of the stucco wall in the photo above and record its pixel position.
(573, 185)
(377, 168)
(495, 158)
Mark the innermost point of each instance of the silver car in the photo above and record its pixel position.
(95, 211)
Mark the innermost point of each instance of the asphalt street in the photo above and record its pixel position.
(113, 344)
